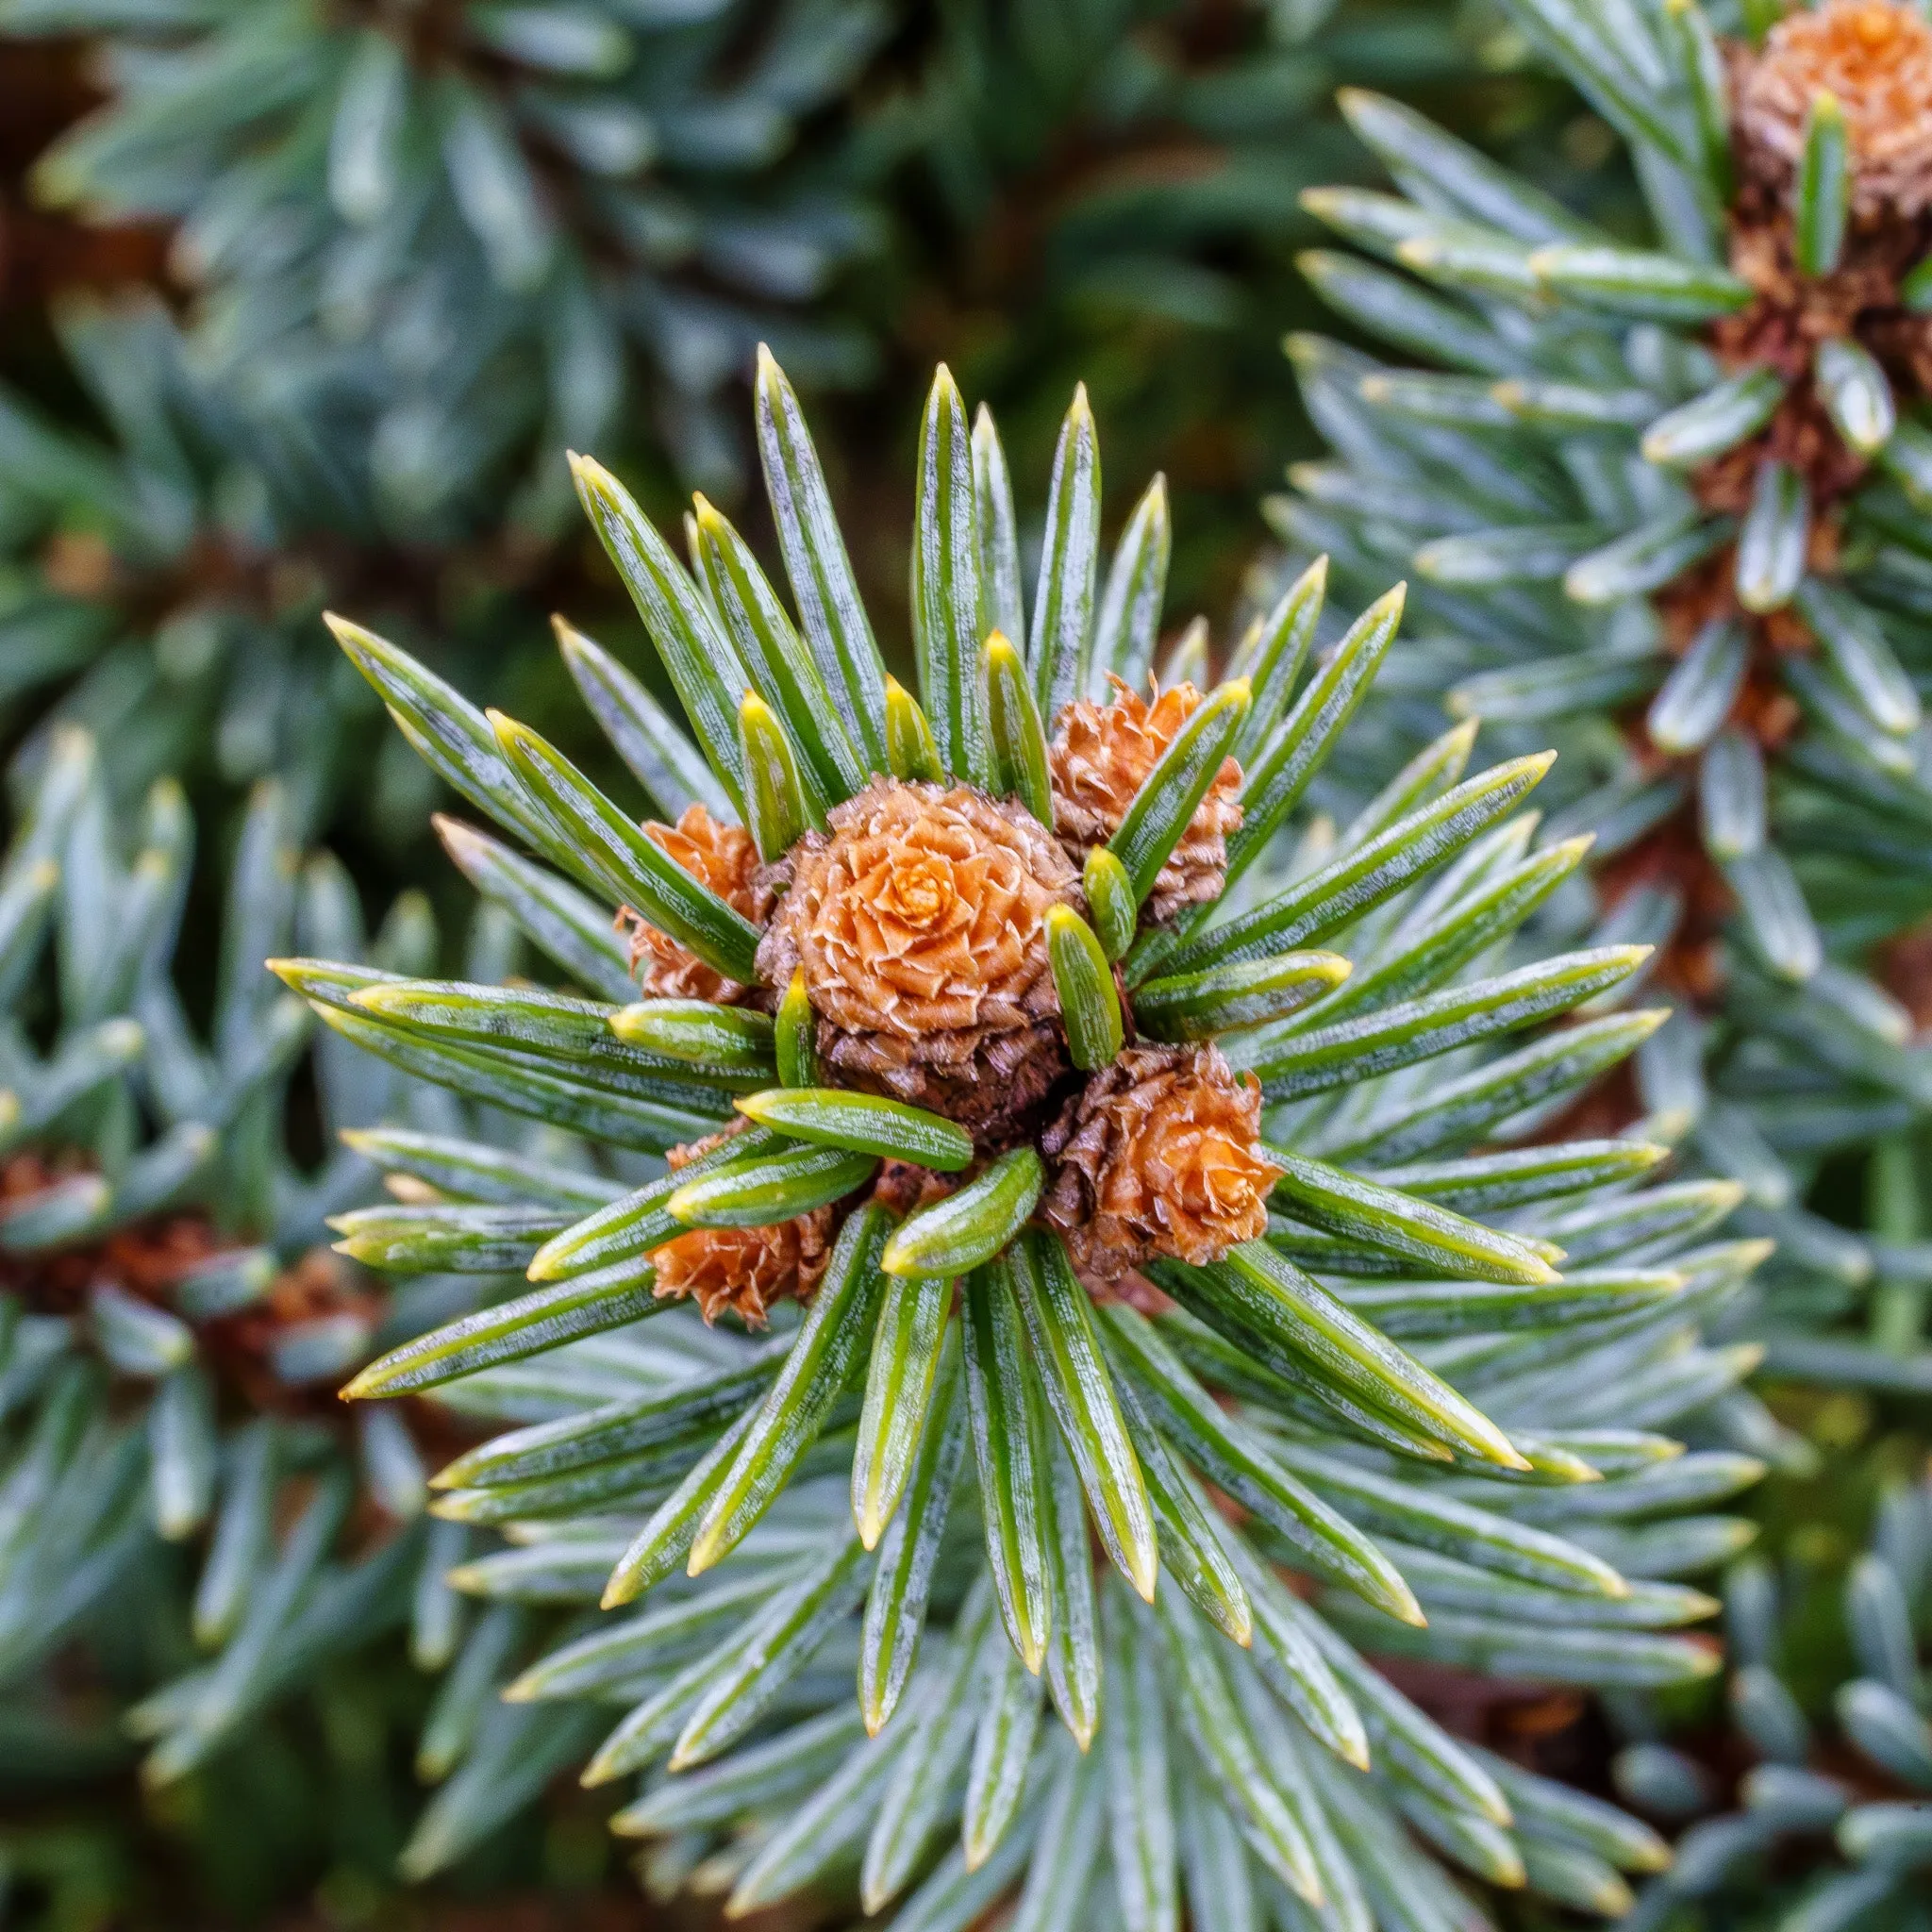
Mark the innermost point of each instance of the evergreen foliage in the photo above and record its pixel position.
(1650, 517)
(1826, 1692)
(158, 592)
(1188, 1245)
(1106, 191)
(905, 1478)
(194, 1536)
(441, 238)
(433, 251)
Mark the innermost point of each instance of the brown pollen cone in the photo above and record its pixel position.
(1781, 330)
(316, 1287)
(1158, 1155)
(918, 920)
(1100, 756)
(742, 1269)
(1874, 59)
(1906, 970)
(723, 857)
(145, 1259)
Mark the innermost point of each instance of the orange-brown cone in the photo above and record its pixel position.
(1101, 755)
(1874, 57)
(918, 920)
(723, 857)
(1159, 1155)
(742, 1269)
(746, 1269)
